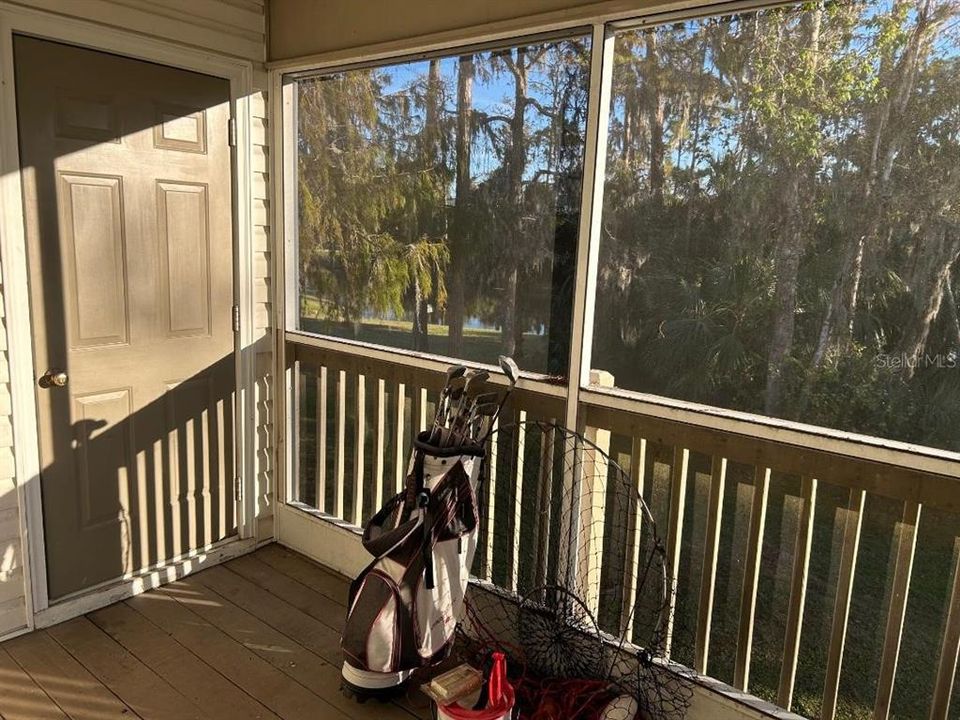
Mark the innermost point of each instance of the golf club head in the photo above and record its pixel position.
(510, 369)
(488, 409)
(453, 372)
(456, 385)
(484, 398)
(476, 377)
(484, 418)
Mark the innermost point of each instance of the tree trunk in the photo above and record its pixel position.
(456, 295)
(431, 215)
(655, 116)
(692, 187)
(928, 286)
(431, 124)
(516, 163)
(508, 331)
(837, 328)
(420, 335)
(787, 255)
(786, 270)
(953, 319)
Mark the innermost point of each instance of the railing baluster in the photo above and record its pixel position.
(521, 443)
(678, 496)
(321, 438)
(544, 499)
(379, 441)
(296, 415)
(490, 500)
(841, 609)
(590, 476)
(399, 446)
(906, 547)
(950, 649)
(338, 457)
(798, 592)
(359, 443)
(568, 547)
(420, 410)
(414, 412)
(751, 578)
(638, 467)
(711, 550)
(593, 500)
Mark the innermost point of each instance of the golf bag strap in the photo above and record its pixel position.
(426, 544)
(380, 545)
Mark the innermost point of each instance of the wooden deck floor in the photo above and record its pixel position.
(257, 637)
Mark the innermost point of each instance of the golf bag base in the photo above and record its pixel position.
(362, 685)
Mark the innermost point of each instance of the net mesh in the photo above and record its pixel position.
(572, 580)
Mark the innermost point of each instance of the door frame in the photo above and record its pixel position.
(16, 303)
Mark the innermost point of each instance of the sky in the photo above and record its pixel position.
(492, 95)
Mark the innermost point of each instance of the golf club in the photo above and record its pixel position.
(454, 371)
(510, 369)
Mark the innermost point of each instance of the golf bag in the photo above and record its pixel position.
(403, 608)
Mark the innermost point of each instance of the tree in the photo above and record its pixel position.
(459, 236)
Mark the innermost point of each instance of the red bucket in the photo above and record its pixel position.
(500, 698)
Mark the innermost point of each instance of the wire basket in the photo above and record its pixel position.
(572, 580)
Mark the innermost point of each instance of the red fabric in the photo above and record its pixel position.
(498, 678)
(562, 699)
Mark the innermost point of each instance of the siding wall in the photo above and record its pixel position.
(226, 27)
(263, 311)
(13, 612)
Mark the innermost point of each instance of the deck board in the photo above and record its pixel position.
(303, 597)
(219, 698)
(242, 666)
(139, 687)
(275, 611)
(64, 679)
(20, 697)
(254, 639)
(307, 573)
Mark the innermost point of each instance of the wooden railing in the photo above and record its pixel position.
(863, 480)
(740, 504)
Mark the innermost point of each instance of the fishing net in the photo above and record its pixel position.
(572, 581)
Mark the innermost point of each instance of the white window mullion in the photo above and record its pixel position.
(588, 245)
(591, 207)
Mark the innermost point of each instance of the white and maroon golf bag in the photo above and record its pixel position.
(403, 608)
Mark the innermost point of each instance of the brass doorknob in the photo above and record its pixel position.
(54, 378)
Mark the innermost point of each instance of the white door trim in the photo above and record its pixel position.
(16, 300)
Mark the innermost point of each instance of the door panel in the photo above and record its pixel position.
(127, 205)
(94, 251)
(184, 216)
(95, 415)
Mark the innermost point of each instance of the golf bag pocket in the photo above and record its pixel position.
(377, 649)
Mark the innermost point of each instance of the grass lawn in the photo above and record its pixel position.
(481, 345)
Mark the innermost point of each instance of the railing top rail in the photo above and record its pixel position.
(895, 474)
(892, 452)
(424, 362)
